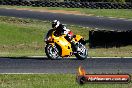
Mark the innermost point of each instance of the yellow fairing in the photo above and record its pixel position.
(64, 44)
(78, 37)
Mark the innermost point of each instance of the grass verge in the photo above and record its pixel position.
(49, 81)
(118, 13)
(25, 37)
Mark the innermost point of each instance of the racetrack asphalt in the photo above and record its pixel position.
(102, 23)
(64, 65)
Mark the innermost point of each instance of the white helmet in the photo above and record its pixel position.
(55, 24)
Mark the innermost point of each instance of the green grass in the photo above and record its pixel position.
(19, 37)
(118, 13)
(49, 81)
(25, 37)
(112, 52)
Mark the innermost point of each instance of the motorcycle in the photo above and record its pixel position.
(58, 46)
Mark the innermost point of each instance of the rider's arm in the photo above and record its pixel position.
(65, 30)
(48, 34)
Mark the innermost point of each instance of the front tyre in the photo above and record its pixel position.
(51, 51)
(82, 52)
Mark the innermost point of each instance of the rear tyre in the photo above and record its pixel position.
(82, 52)
(51, 51)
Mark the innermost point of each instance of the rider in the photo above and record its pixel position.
(59, 30)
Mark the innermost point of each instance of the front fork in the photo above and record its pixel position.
(74, 46)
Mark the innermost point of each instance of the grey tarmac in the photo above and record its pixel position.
(64, 65)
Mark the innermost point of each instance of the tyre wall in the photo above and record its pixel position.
(103, 38)
(91, 5)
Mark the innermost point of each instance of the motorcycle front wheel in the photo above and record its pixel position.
(51, 51)
(82, 52)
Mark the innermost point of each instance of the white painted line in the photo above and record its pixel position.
(128, 20)
(127, 57)
(115, 18)
(112, 17)
(100, 16)
(96, 28)
(105, 57)
(25, 73)
(122, 18)
(75, 57)
(37, 56)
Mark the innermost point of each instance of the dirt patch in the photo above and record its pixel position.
(54, 11)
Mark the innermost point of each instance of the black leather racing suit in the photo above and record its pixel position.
(61, 29)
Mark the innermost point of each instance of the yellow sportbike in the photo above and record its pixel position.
(58, 46)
